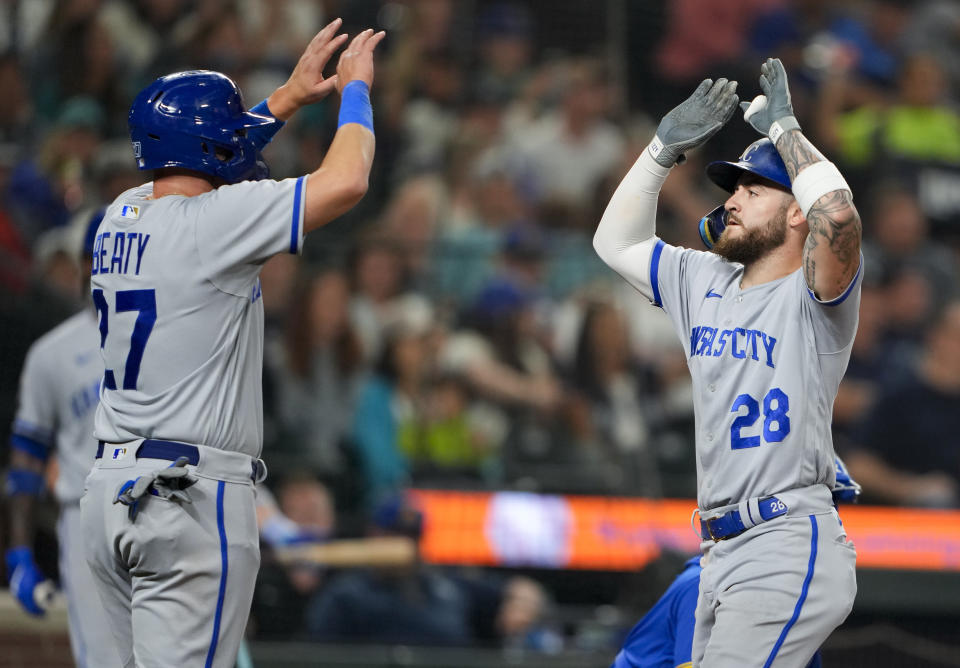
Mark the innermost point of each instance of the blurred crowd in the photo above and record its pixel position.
(457, 329)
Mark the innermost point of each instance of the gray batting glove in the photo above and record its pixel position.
(170, 482)
(771, 114)
(692, 122)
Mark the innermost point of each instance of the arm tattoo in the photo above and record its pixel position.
(833, 220)
(797, 153)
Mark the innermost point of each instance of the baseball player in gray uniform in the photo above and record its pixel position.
(59, 385)
(168, 511)
(768, 318)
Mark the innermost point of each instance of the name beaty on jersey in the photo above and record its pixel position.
(112, 252)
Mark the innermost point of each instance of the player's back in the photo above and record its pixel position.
(664, 637)
(176, 285)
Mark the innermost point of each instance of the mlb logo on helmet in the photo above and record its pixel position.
(136, 149)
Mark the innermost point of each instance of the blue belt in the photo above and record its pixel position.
(730, 524)
(169, 450)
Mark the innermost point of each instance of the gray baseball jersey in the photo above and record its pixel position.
(58, 396)
(766, 363)
(57, 400)
(176, 282)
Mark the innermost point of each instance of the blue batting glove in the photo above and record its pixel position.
(24, 578)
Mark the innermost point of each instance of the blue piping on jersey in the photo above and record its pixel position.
(836, 301)
(654, 272)
(223, 575)
(295, 224)
(34, 431)
(803, 593)
(31, 446)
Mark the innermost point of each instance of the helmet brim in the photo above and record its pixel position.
(726, 174)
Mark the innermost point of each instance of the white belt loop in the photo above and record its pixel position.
(696, 511)
(748, 515)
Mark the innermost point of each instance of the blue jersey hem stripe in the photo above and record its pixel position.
(223, 575)
(295, 223)
(31, 446)
(836, 301)
(34, 431)
(655, 270)
(803, 593)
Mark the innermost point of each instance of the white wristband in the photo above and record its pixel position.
(816, 181)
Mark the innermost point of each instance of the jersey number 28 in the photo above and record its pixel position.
(776, 423)
(144, 302)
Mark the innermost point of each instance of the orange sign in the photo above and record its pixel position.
(610, 533)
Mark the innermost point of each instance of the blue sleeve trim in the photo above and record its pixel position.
(355, 105)
(30, 446)
(803, 594)
(24, 481)
(223, 576)
(836, 301)
(295, 223)
(264, 134)
(34, 431)
(655, 272)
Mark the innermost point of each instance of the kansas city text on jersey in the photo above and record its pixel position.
(111, 252)
(707, 341)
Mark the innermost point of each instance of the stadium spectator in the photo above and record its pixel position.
(318, 381)
(905, 451)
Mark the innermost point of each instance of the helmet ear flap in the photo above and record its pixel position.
(711, 226)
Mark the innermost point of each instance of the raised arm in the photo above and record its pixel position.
(831, 255)
(342, 178)
(625, 236)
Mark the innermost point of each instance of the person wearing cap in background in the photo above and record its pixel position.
(59, 390)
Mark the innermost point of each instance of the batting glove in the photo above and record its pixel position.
(24, 578)
(168, 483)
(692, 122)
(846, 489)
(771, 114)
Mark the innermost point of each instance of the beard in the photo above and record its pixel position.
(753, 244)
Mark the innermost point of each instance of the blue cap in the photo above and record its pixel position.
(501, 298)
(760, 158)
(92, 228)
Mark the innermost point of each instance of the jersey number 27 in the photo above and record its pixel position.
(144, 302)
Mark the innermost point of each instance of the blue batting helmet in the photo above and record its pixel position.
(760, 158)
(196, 120)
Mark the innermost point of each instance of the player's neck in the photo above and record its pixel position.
(180, 184)
(772, 266)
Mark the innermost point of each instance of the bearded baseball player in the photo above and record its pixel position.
(768, 318)
(58, 396)
(168, 513)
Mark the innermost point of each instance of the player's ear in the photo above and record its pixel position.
(795, 217)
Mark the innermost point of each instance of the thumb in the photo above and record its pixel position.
(328, 85)
(744, 105)
(757, 104)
